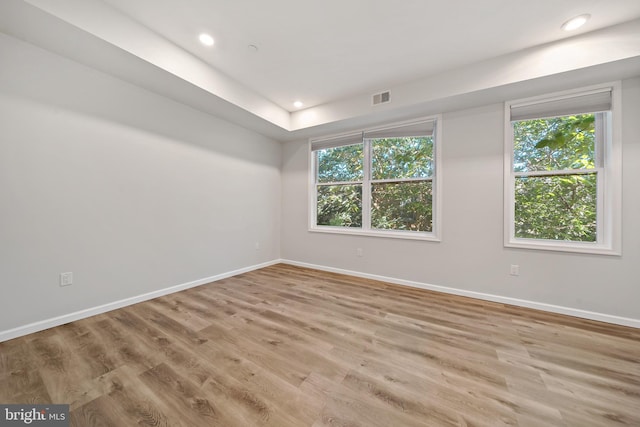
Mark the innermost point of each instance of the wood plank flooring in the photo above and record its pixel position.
(287, 346)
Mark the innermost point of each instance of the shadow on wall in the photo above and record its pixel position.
(41, 76)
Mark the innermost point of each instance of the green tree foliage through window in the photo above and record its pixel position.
(556, 178)
(405, 204)
(341, 164)
(397, 182)
(394, 158)
(340, 201)
(402, 206)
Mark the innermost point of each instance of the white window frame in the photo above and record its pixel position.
(366, 229)
(608, 168)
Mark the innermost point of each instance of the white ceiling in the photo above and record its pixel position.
(320, 51)
(434, 56)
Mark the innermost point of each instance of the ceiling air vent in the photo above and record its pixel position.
(381, 98)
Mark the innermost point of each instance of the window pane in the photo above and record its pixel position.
(556, 207)
(402, 206)
(340, 205)
(410, 157)
(557, 143)
(340, 164)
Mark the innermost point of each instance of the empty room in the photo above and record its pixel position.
(338, 213)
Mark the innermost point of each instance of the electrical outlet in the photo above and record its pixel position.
(359, 252)
(257, 246)
(66, 279)
(515, 270)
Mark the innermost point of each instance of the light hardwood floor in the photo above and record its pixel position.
(287, 346)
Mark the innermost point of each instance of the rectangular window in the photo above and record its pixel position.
(377, 182)
(562, 171)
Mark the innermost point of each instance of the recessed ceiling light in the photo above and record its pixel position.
(575, 23)
(298, 104)
(206, 39)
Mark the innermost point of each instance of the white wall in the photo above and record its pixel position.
(471, 256)
(128, 190)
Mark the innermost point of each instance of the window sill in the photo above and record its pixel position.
(392, 234)
(557, 246)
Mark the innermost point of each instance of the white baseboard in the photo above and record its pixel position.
(608, 318)
(82, 314)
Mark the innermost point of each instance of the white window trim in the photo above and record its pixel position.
(434, 235)
(609, 226)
